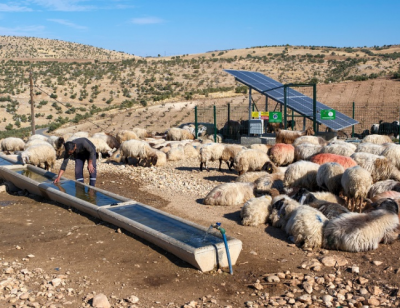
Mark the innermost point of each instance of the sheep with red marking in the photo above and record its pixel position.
(282, 154)
(382, 186)
(323, 158)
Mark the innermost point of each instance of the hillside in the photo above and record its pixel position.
(15, 47)
(157, 93)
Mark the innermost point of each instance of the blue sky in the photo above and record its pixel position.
(172, 27)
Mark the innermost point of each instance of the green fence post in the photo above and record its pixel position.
(285, 103)
(229, 121)
(292, 119)
(195, 123)
(352, 129)
(215, 124)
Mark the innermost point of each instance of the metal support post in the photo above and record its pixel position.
(248, 124)
(352, 128)
(285, 106)
(315, 108)
(196, 127)
(215, 124)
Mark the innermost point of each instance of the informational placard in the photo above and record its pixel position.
(328, 114)
(264, 115)
(275, 117)
(255, 115)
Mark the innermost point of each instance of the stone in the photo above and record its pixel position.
(258, 285)
(377, 263)
(310, 263)
(307, 287)
(272, 278)
(56, 282)
(306, 298)
(362, 280)
(373, 302)
(355, 269)
(132, 299)
(100, 301)
(24, 296)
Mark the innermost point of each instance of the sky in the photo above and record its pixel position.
(177, 27)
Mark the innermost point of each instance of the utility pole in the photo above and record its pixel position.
(32, 105)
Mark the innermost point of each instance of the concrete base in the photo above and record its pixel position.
(257, 140)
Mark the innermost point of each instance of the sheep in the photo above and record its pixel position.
(372, 148)
(386, 194)
(218, 138)
(38, 137)
(211, 152)
(250, 176)
(306, 226)
(175, 154)
(281, 209)
(190, 151)
(323, 158)
(250, 160)
(101, 147)
(301, 174)
(256, 211)
(177, 134)
(81, 135)
(350, 145)
(141, 133)
(377, 139)
(288, 136)
(342, 149)
(161, 158)
(56, 142)
(379, 166)
(356, 182)
(11, 144)
(35, 142)
(356, 232)
(261, 147)
(305, 151)
(316, 140)
(230, 194)
(109, 139)
(39, 155)
(329, 205)
(382, 186)
(153, 141)
(125, 135)
(264, 184)
(329, 177)
(392, 152)
(229, 153)
(282, 154)
(138, 149)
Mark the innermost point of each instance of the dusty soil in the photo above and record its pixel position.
(97, 257)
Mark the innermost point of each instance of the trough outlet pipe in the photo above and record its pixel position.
(222, 230)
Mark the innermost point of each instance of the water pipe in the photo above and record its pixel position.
(222, 230)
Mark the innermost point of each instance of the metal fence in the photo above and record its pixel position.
(231, 120)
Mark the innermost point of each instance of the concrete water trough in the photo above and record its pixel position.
(195, 244)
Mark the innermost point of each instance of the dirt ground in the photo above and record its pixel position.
(97, 257)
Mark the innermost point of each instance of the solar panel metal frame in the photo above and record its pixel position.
(295, 100)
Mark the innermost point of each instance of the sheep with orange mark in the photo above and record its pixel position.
(282, 154)
(323, 158)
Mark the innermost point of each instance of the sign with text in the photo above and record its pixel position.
(264, 115)
(328, 114)
(255, 115)
(275, 117)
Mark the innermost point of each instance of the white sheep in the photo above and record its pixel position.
(256, 211)
(304, 196)
(176, 153)
(35, 142)
(250, 160)
(11, 144)
(329, 177)
(177, 134)
(161, 158)
(264, 184)
(251, 176)
(281, 209)
(372, 148)
(125, 135)
(306, 227)
(38, 137)
(377, 139)
(305, 151)
(392, 152)
(138, 149)
(211, 152)
(342, 148)
(380, 167)
(282, 154)
(261, 147)
(101, 147)
(356, 182)
(81, 135)
(356, 232)
(141, 133)
(109, 139)
(229, 153)
(190, 151)
(39, 155)
(56, 142)
(382, 186)
(218, 138)
(302, 174)
(230, 194)
(316, 140)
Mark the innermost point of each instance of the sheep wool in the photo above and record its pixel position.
(250, 160)
(138, 149)
(282, 154)
(288, 136)
(261, 147)
(229, 153)
(37, 137)
(142, 133)
(256, 211)
(304, 151)
(302, 174)
(39, 155)
(306, 226)
(211, 152)
(311, 140)
(251, 176)
(11, 144)
(161, 158)
(372, 148)
(385, 195)
(329, 177)
(323, 158)
(176, 134)
(35, 142)
(382, 186)
(392, 152)
(175, 154)
(377, 139)
(356, 232)
(281, 209)
(190, 151)
(230, 194)
(264, 184)
(343, 149)
(101, 147)
(125, 135)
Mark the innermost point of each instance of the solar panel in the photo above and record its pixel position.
(295, 100)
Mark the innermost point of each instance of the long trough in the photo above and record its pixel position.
(193, 243)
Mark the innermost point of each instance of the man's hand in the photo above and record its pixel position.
(57, 180)
(90, 168)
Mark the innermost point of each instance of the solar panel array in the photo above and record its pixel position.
(295, 100)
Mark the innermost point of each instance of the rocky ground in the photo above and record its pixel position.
(55, 256)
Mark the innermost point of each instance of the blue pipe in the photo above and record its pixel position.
(228, 255)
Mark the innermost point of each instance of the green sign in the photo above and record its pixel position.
(275, 117)
(328, 114)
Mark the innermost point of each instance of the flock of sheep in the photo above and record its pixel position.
(336, 195)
